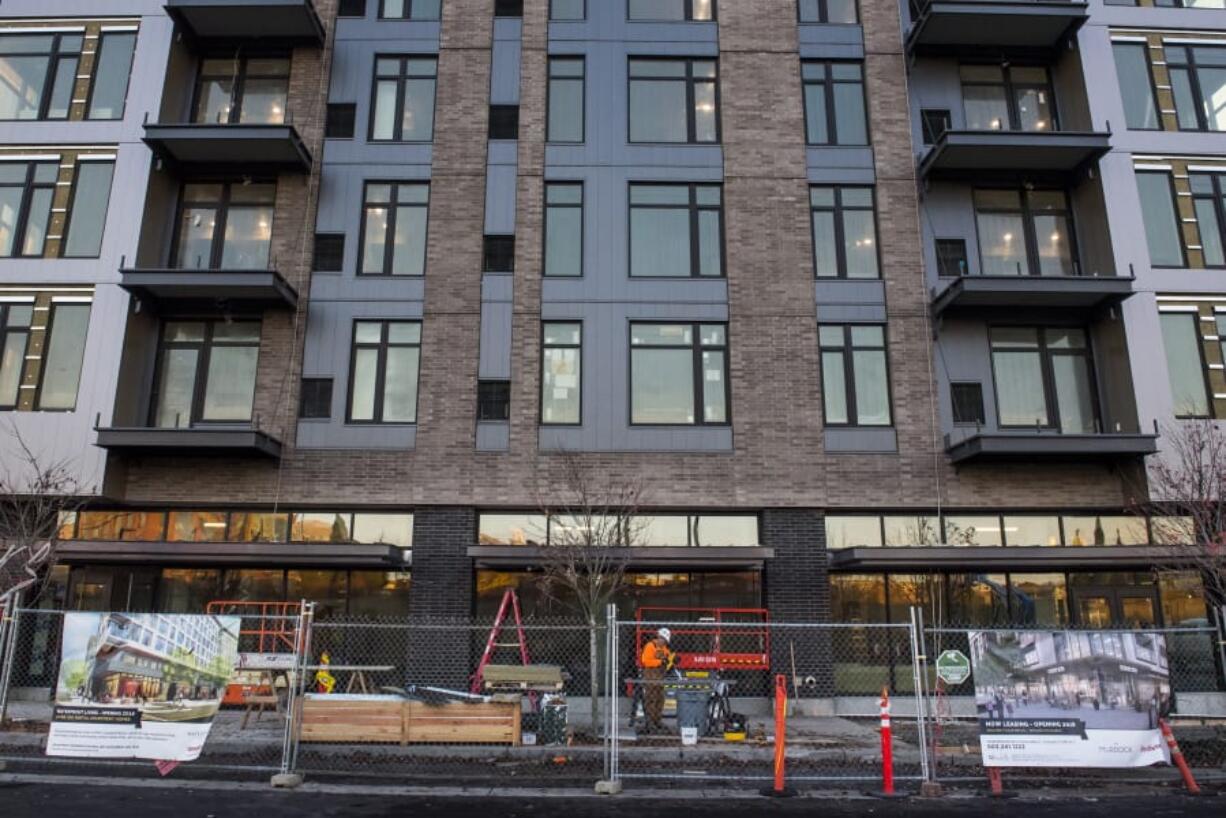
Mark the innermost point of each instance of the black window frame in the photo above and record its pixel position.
(943, 257)
(401, 77)
(29, 186)
(239, 90)
(509, 8)
(848, 350)
(408, 12)
(840, 230)
(1190, 66)
(695, 210)
(93, 75)
(1217, 181)
(503, 119)
(980, 407)
(698, 386)
(1047, 375)
(5, 331)
(54, 57)
(200, 385)
(328, 253)
(72, 204)
(341, 120)
(688, 14)
(828, 81)
(540, 405)
(581, 207)
(566, 78)
(1030, 234)
(691, 119)
(381, 369)
(498, 253)
(392, 206)
(312, 393)
(222, 208)
(351, 8)
(52, 311)
(1149, 73)
(1010, 88)
(496, 407)
(1202, 361)
(929, 119)
(823, 14)
(1169, 177)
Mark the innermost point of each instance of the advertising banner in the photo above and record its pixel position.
(1070, 698)
(140, 685)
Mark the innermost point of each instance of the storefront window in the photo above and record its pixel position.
(379, 593)
(853, 532)
(1105, 530)
(857, 598)
(1027, 530)
(1183, 599)
(1039, 599)
(254, 586)
(258, 527)
(973, 531)
(511, 529)
(329, 590)
(978, 599)
(187, 590)
(122, 525)
(917, 590)
(197, 526)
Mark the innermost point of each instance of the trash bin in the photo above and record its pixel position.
(692, 708)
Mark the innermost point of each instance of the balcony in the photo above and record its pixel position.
(285, 22)
(1056, 156)
(198, 441)
(1082, 293)
(994, 446)
(230, 148)
(209, 290)
(971, 27)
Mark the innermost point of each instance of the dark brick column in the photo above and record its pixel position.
(440, 641)
(798, 591)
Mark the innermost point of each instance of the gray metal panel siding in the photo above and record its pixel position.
(493, 436)
(861, 440)
(495, 361)
(504, 76)
(500, 199)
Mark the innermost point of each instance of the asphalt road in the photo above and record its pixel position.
(47, 801)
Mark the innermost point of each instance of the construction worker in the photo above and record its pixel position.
(657, 660)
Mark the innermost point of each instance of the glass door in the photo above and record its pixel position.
(1116, 607)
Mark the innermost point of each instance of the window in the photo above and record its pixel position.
(1136, 85)
(498, 254)
(109, 91)
(508, 8)
(1027, 232)
(26, 190)
(504, 122)
(246, 90)
(493, 400)
(561, 373)
(834, 103)
(61, 370)
(87, 217)
(329, 255)
(844, 232)
(206, 372)
(1157, 193)
(951, 257)
(855, 376)
(1007, 98)
(564, 229)
(1044, 379)
(340, 121)
(383, 376)
(410, 9)
(852, 532)
(828, 11)
(196, 526)
(567, 10)
(1198, 81)
(967, 401)
(566, 99)
(40, 72)
(671, 9)
(225, 226)
(1185, 365)
(316, 399)
(394, 229)
(403, 107)
(351, 8)
(512, 529)
(1209, 202)
(14, 339)
(1105, 530)
(679, 374)
(673, 100)
(1032, 530)
(934, 122)
(676, 231)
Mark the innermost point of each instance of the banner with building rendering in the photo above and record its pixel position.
(140, 685)
(1070, 698)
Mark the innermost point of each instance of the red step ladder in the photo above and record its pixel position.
(509, 601)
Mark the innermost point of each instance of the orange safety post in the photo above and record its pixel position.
(1177, 757)
(998, 788)
(887, 746)
(781, 728)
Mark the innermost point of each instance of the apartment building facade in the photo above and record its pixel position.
(375, 275)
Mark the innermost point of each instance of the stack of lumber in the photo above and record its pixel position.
(345, 719)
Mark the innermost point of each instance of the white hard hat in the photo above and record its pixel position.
(665, 634)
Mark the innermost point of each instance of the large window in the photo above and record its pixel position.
(1025, 232)
(670, 9)
(1044, 379)
(566, 99)
(383, 375)
(61, 370)
(410, 9)
(673, 100)
(1198, 81)
(676, 230)
(1209, 201)
(247, 90)
(828, 11)
(1181, 338)
(855, 377)
(834, 103)
(87, 215)
(225, 226)
(206, 372)
(113, 66)
(678, 374)
(561, 372)
(403, 106)
(38, 73)
(564, 229)
(1136, 85)
(394, 229)
(14, 339)
(1007, 98)
(844, 232)
(1161, 224)
(26, 191)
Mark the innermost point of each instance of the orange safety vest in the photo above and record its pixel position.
(654, 657)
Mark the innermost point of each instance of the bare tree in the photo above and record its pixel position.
(1187, 502)
(594, 520)
(34, 498)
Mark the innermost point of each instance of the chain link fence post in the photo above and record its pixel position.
(919, 670)
(8, 651)
(1221, 643)
(297, 687)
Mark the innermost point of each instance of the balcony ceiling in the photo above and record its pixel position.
(976, 155)
(282, 21)
(200, 441)
(238, 290)
(229, 148)
(1024, 291)
(1049, 446)
(967, 27)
